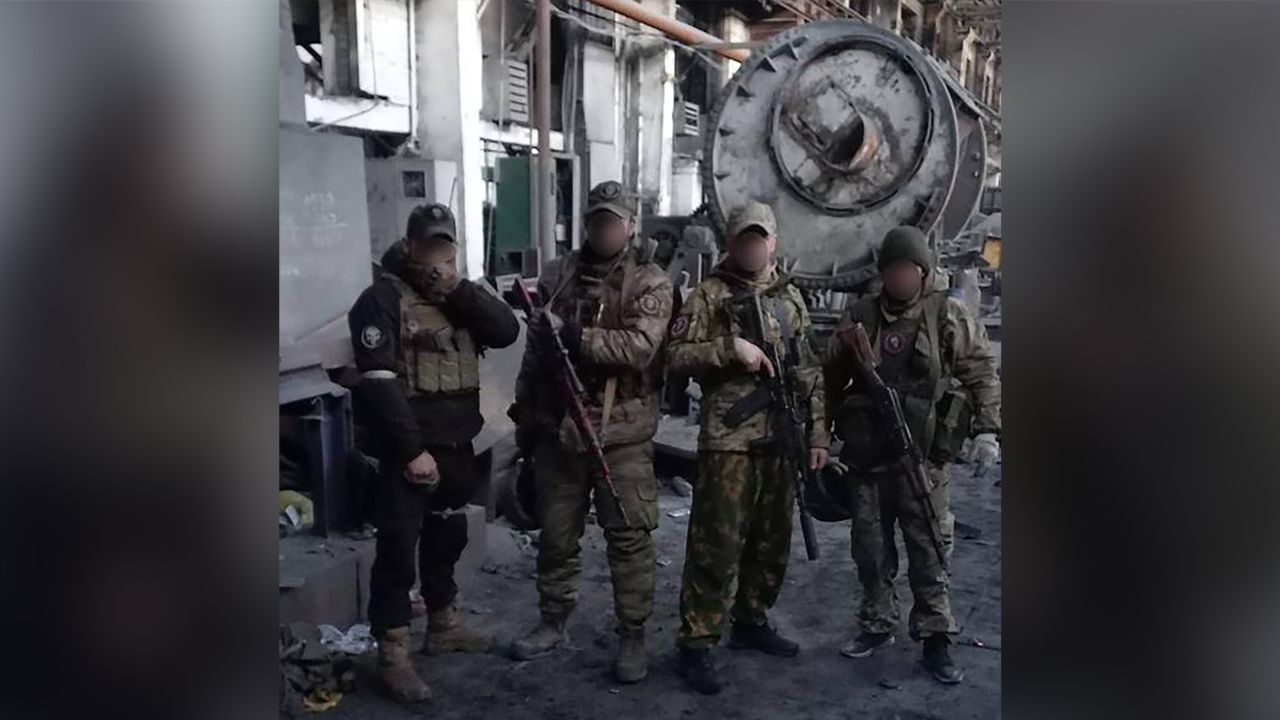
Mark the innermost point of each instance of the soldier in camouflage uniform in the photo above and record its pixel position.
(611, 307)
(740, 524)
(936, 355)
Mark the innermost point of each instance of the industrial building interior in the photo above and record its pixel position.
(386, 105)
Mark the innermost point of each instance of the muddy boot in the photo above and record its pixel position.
(446, 633)
(698, 671)
(543, 639)
(632, 664)
(937, 659)
(394, 671)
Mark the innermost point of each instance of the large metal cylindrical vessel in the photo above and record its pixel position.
(847, 131)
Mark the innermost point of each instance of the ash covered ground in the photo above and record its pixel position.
(817, 608)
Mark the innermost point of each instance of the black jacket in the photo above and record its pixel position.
(405, 427)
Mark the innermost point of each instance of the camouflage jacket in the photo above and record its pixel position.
(702, 346)
(949, 389)
(624, 308)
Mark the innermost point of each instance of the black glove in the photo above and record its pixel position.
(569, 332)
(571, 336)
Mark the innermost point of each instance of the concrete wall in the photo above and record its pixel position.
(601, 118)
(733, 28)
(291, 106)
(655, 102)
(447, 42)
(383, 42)
(686, 186)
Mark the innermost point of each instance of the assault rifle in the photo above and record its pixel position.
(789, 409)
(575, 395)
(901, 443)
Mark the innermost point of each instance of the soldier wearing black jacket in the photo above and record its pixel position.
(418, 332)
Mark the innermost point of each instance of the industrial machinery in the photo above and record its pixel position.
(846, 130)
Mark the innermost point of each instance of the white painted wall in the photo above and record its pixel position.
(686, 186)
(382, 43)
(449, 97)
(600, 105)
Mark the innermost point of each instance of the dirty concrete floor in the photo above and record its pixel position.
(817, 608)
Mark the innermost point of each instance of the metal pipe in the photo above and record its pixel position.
(546, 168)
(680, 31)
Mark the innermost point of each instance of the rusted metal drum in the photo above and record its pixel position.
(847, 131)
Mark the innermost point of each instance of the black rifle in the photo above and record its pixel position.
(574, 395)
(901, 443)
(789, 406)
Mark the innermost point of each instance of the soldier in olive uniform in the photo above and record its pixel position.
(611, 307)
(417, 333)
(740, 524)
(936, 355)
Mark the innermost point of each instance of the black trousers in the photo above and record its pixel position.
(409, 517)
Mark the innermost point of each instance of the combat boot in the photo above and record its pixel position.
(866, 643)
(446, 633)
(763, 638)
(544, 638)
(394, 670)
(937, 659)
(699, 672)
(632, 664)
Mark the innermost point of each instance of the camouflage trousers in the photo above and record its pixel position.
(739, 527)
(880, 500)
(566, 483)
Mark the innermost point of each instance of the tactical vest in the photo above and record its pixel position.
(598, 301)
(916, 369)
(435, 357)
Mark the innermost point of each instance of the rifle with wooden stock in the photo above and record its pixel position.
(575, 396)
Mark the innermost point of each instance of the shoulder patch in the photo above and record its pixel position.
(650, 305)
(372, 337)
(680, 327)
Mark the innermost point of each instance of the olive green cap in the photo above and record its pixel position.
(610, 195)
(755, 214)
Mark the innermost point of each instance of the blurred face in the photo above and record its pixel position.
(902, 280)
(752, 250)
(435, 255)
(608, 234)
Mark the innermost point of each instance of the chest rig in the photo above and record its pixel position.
(435, 356)
(597, 297)
(912, 361)
(900, 365)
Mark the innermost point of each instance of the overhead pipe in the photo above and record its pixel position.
(683, 32)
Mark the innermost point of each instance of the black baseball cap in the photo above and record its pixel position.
(431, 220)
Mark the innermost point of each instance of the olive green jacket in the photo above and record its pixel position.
(955, 391)
(624, 310)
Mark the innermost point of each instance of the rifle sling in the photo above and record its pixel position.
(610, 389)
